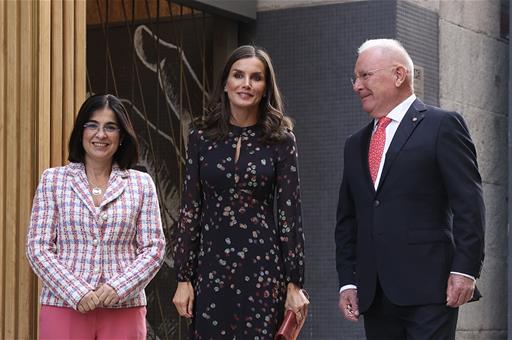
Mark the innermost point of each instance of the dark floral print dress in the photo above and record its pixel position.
(228, 242)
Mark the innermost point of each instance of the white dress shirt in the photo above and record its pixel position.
(396, 115)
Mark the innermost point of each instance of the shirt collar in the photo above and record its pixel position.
(398, 113)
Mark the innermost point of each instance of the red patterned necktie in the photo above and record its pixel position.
(377, 147)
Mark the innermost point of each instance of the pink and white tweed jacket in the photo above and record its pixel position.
(74, 246)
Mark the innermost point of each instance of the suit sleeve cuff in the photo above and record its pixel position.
(347, 287)
(466, 275)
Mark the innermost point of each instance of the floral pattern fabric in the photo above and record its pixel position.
(240, 238)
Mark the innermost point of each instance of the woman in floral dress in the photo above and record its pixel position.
(239, 246)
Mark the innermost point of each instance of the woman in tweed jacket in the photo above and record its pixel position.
(95, 237)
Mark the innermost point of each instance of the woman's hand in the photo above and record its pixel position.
(184, 299)
(107, 295)
(296, 301)
(88, 302)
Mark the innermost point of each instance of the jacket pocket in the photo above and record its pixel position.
(419, 236)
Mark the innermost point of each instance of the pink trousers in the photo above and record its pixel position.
(101, 323)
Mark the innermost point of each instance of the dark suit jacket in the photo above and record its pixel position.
(426, 217)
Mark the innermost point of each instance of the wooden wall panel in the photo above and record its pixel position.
(3, 146)
(12, 155)
(57, 82)
(43, 128)
(42, 82)
(68, 90)
(26, 166)
(80, 60)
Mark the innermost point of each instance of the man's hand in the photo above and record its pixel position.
(88, 302)
(348, 304)
(184, 299)
(459, 291)
(107, 295)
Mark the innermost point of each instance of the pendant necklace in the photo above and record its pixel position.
(95, 190)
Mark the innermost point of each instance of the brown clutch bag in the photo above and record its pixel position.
(290, 328)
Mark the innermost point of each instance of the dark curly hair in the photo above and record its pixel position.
(272, 119)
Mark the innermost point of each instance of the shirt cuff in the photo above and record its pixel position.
(347, 287)
(466, 275)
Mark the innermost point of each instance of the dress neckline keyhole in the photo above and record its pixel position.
(238, 147)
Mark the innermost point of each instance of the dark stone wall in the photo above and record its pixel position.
(418, 30)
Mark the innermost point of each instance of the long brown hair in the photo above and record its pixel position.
(272, 119)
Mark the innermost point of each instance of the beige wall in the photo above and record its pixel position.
(42, 83)
(473, 79)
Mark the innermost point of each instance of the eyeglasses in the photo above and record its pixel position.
(109, 129)
(364, 76)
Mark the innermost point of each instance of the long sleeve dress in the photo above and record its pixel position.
(228, 242)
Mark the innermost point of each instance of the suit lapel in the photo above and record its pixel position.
(116, 185)
(410, 121)
(79, 184)
(365, 145)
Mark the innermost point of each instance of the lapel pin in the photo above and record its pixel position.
(414, 119)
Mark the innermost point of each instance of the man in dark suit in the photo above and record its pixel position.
(410, 221)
